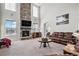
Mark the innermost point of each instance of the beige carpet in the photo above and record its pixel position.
(30, 48)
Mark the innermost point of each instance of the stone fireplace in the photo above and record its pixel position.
(25, 15)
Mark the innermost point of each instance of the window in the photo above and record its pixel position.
(35, 11)
(10, 26)
(10, 6)
(35, 18)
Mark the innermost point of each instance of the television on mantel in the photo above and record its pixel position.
(25, 23)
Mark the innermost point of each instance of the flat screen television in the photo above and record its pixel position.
(25, 23)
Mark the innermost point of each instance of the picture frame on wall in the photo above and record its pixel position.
(63, 19)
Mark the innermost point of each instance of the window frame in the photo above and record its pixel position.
(10, 28)
(38, 18)
(6, 5)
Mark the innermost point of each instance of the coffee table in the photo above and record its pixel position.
(44, 41)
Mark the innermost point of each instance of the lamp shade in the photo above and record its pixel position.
(76, 34)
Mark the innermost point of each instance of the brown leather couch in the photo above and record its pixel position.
(36, 34)
(62, 37)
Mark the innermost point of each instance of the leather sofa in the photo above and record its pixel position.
(63, 37)
(36, 34)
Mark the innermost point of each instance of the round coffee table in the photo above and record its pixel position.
(44, 41)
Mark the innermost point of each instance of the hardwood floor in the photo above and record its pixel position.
(30, 48)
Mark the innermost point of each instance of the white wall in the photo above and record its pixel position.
(0, 21)
(6, 14)
(49, 12)
(78, 17)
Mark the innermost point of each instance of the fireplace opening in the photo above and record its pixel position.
(25, 33)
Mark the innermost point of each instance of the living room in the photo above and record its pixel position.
(25, 24)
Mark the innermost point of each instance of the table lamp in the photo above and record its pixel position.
(76, 34)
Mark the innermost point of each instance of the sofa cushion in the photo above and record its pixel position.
(60, 35)
(36, 34)
(55, 34)
(68, 35)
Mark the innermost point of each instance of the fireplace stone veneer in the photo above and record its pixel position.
(25, 14)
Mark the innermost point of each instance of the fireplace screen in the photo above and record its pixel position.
(25, 33)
